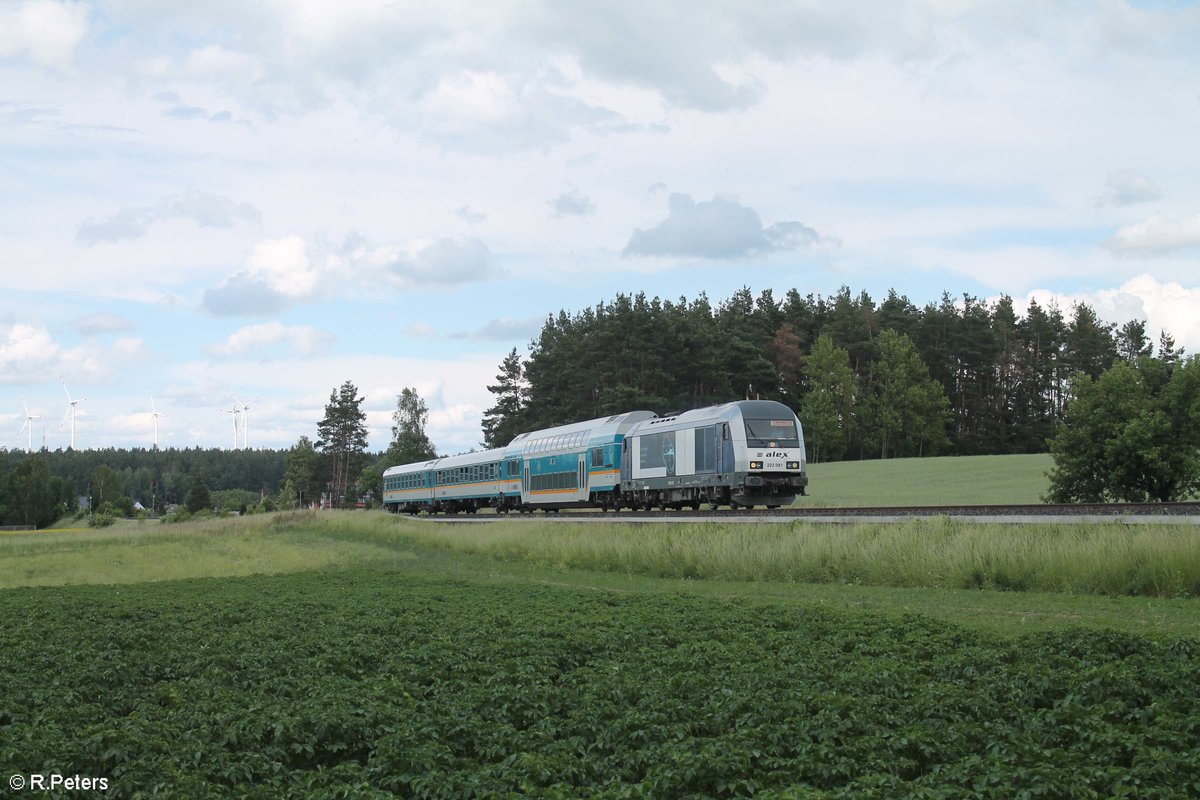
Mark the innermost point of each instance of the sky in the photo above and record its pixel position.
(267, 198)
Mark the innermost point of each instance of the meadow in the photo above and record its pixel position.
(946, 480)
(358, 654)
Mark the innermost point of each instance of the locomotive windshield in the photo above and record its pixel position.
(771, 433)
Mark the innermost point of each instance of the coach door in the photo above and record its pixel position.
(525, 484)
(583, 476)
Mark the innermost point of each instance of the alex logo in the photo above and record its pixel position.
(774, 454)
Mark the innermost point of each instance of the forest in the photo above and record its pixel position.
(868, 380)
(38, 488)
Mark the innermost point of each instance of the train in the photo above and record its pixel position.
(741, 454)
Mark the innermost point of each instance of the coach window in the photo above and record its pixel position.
(597, 457)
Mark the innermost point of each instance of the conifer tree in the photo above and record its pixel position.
(198, 499)
(503, 421)
(409, 440)
(302, 479)
(342, 437)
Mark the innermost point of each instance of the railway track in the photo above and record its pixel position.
(1042, 512)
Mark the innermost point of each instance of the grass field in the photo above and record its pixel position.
(358, 654)
(953, 480)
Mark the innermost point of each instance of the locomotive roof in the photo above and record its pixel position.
(746, 409)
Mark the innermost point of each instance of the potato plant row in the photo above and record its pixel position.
(363, 683)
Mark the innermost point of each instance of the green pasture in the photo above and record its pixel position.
(949, 480)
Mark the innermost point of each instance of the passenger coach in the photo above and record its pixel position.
(574, 465)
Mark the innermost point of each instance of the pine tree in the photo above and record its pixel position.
(907, 411)
(1132, 342)
(198, 498)
(409, 441)
(503, 421)
(1168, 353)
(302, 480)
(342, 436)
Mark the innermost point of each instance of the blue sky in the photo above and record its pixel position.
(270, 198)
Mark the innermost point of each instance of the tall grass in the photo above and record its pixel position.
(1159, 560)
(1106, 558)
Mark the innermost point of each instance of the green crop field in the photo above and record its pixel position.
(361, 655)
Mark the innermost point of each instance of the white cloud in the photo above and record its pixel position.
(285, 266)
(1164, 305)
(206, 210)
(421, 330)
(257, 340)
(103, 322)
(717, 228)
(571, 204)
(467, 214)
(1127, 188)
(29, 354)
(506, 329)
(282, 272)
(490, 111)
(45, 31)
(278, 273)
(1155, 236)
(214, 60)
(443, 262)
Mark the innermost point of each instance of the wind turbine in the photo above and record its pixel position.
(29, 418)
(70, 412)
(245, 408)
(232, 412)
(155, 413)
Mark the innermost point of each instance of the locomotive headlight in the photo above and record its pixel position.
(755, 465)
(793, 465)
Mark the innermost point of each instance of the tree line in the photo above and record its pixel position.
(332, 469)
(869, 380)
(39, 488)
